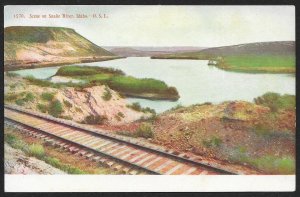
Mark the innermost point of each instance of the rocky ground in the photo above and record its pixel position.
(16, 162)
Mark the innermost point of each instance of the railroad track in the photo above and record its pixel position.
(115, 151)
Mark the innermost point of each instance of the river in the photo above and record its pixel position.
(195, 81)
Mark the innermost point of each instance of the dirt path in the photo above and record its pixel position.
(16, 162)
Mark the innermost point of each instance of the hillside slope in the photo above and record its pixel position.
(26, 46)
(251, 57)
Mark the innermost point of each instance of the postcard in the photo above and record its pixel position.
(105, 97)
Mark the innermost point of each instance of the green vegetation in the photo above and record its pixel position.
(116, 79)
(137, 107)
(45, 83)
(120, 114)
(94, 119)
(20, 102)
(47, 96)
(10, 97)
(259, 63)
(214, 141)
(107, 94)
(18, 38)
(144, 131)
(55, 108)
(283, 165)
(276, 101)
(20, 99)
(43, 108)
(37, 150)
(12, 74)
(72, 71)
(67, 104)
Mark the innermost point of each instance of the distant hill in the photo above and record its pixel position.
(258, 48)
(275, 57)
(27, 46)
(135, 51)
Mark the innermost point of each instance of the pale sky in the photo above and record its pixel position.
(203, 26)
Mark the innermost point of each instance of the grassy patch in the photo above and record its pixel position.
(261, 61)
(36, 150)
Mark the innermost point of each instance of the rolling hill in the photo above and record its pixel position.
(31, 46)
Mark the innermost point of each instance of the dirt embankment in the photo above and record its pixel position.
(237, 131)
(94, 105)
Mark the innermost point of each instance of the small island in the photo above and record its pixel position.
(117, 80)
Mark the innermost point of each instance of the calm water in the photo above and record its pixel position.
(195, 81)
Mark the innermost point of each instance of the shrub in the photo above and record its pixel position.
(120, 114)
(43, 108)
(10, 97)
(47, 96)
(276, 101)
(214, 141)
(68, 104)
(29, 97)
(20, 102)
(107, 94)
(78, 109)
(55, 108)
(144, 131)
(94, 119)
(118, 118)
(36, 150)
(135, 106)
(178, 106)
